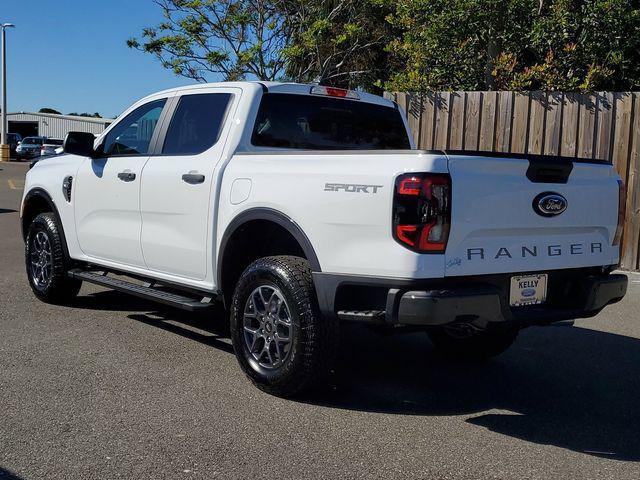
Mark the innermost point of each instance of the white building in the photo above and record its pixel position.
(53, 125)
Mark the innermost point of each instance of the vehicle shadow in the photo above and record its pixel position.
(570, 387)
(7, 475)
(206, 327)
(565, 386)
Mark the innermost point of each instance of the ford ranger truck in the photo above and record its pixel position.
(299, 207)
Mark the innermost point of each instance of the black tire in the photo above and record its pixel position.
(313, 339)
(54, 286)
(477, 347)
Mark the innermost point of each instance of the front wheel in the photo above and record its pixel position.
(475, 346)
(281, 341)
(46, 263)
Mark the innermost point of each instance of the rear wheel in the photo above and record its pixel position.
(281, 341)
(46, 263)
(481, 345)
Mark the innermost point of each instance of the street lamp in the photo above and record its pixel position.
(4, 148)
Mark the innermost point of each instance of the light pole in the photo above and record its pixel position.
(4, 148)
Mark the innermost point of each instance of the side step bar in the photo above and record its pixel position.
(147, 292)
(369, 316)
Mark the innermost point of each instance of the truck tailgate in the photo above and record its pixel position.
(499, 225)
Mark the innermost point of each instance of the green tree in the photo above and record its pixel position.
(516, 44)
(232, 38)
(340, 42)
(49, 110)
(85, 114)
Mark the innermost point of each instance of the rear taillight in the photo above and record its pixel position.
(422, 211)
(622, 209)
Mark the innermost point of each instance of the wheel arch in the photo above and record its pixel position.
(38, 201)
(255, 216)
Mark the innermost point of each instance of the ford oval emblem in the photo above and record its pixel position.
(549, 204)
(528, 292)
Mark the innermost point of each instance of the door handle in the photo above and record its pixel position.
(127, 176)
(193, 178)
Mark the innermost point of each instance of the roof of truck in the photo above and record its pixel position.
(277, 87)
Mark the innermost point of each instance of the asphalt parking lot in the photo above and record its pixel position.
(116, 387)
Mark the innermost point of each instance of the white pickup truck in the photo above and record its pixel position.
(302, 206)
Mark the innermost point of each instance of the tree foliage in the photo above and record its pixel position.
(49, 110)
(416, 45)
(340, 42)
(517, 44)
(232, 38)
(85, 114)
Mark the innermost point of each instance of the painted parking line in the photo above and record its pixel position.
(15, 184)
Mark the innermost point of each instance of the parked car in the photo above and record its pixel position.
(299, 207)
(51, 146)
(29, 147)
(13, 140)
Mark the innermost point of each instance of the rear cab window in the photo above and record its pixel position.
(196, 124)
(323, 123)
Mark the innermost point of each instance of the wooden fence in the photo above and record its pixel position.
(604, 126)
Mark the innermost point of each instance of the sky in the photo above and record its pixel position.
(71, 55)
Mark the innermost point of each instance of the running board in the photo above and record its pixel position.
(142, 291)
(369, 316)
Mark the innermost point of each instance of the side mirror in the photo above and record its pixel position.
(79, 143)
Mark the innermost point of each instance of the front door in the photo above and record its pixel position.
(178, 188)
(107, 189)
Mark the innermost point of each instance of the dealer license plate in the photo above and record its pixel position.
(528, 290)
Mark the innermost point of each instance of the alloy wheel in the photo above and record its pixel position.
(267, 327)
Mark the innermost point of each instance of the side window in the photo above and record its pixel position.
(132, 135)
(196, 123)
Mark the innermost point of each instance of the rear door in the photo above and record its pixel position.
(178, 183)
(107, 189)
(530, 214)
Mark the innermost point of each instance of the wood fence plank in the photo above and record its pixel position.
(442, 121)
(620, 151)
(456, 126)
(553, 127)
(605, 125)
(399, 98)
(536, 123)
(520, 136)
(587, 132)
(503, 122)
(631, 238)
(426, 127)
(472, 123)
(414, 115)
(488, 121)
(570, 121)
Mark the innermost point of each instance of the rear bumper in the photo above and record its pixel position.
(572, 294)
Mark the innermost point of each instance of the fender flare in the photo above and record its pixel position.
(272, 215)
(42, 193)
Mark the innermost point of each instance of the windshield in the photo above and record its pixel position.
(322, 123)
(32, 141)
